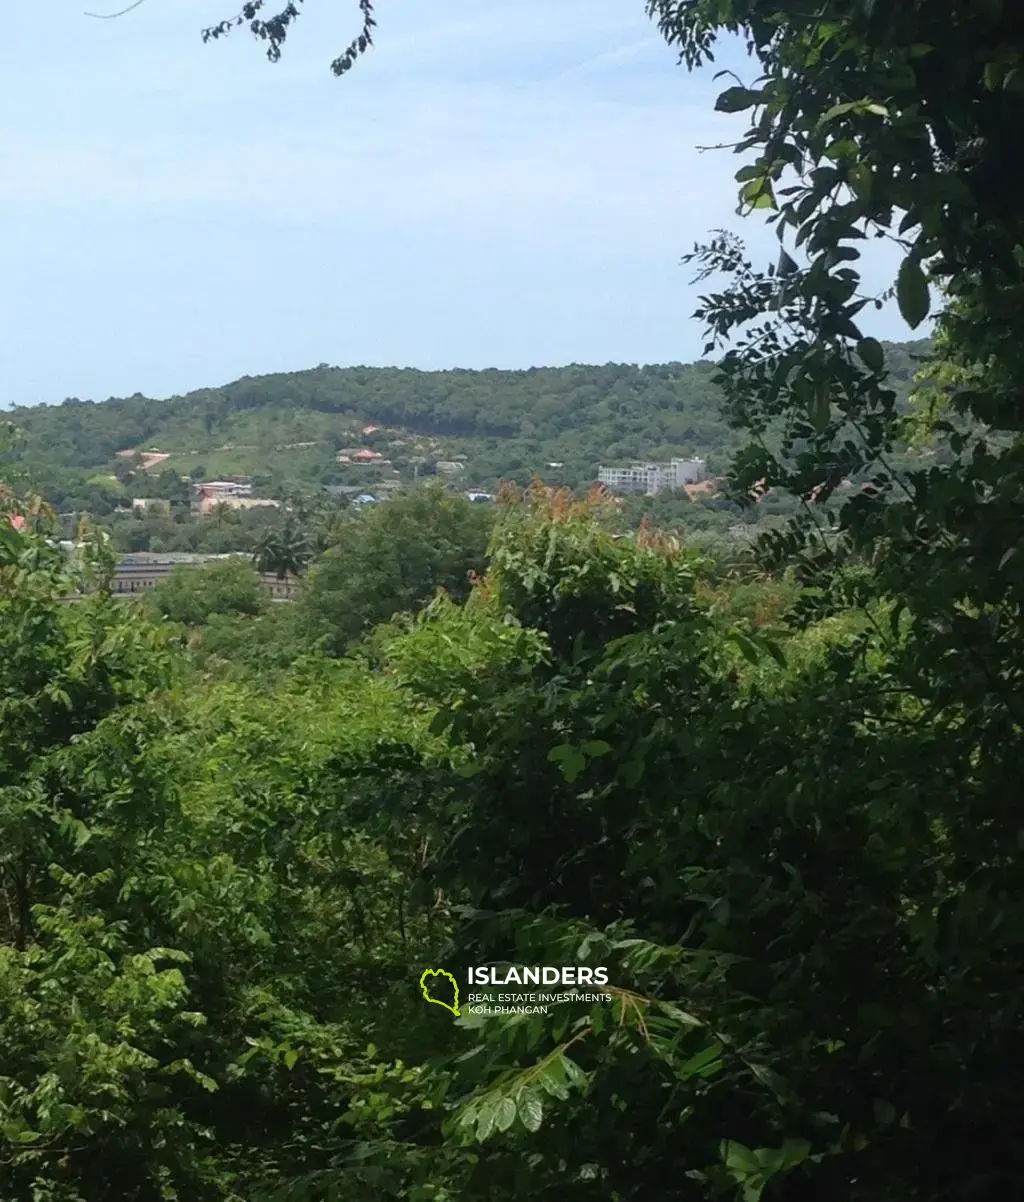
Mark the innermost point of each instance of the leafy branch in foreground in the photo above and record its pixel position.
(274, 30)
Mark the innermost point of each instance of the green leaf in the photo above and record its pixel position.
(792, 1153)
(912, 293)
(735, 100)
(738, 1158)
(775, 651)
(552, 1080)
(697, 1064)
(820, 412)
(1014, 81)
(680, 1016)
(860, 180)
(574, 1073)
(596, 747)
(787, 266)
(871, 354)
(487, 1118)
(572, 768)
(440, 722)
(838, 110)
(570, 759)
(753, 1187)
(20, 1135)
(505, 1115)
(993, 75)
(747, 647)
(758, 194)
(531, 1111)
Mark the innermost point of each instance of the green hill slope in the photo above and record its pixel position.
(290, 428)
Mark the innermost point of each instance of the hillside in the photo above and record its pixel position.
(290, 428)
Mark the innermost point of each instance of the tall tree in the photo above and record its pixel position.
(393, 557)
(284, 549)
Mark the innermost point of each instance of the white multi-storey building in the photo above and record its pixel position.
(653, 477)
(641, 477)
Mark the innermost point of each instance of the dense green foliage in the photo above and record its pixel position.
(234, 530)
(774, 791)
(191, 595)
(600, 757)
(393, 558)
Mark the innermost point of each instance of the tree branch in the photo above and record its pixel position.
(111, 16)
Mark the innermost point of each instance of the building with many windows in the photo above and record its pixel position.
(652, 478)
(139, 571)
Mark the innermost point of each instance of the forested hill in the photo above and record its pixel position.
(502, 421)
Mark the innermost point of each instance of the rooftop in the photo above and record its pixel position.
(151, 558)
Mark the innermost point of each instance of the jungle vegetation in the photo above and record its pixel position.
(777, 795)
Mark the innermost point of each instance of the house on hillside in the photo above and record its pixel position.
(235, 494)
(146, 505)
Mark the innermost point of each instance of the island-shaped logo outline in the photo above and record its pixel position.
(440, 972)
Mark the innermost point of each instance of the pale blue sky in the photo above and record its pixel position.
(498, 183)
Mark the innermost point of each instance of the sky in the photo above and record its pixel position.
(508, 183)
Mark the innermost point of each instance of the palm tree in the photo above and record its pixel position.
(283, 550)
